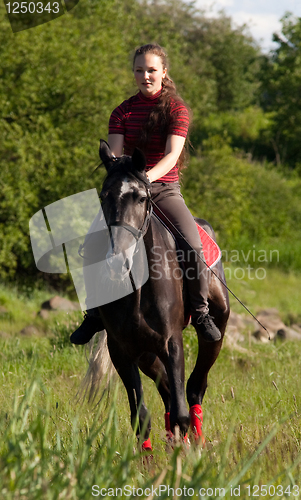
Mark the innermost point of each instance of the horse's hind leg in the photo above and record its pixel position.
(197, 382)
(129, 374)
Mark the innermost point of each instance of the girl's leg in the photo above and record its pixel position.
(178, 218)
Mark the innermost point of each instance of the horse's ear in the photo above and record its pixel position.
(138, 160)
(106, 154)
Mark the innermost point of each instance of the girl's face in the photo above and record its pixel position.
(149, 73)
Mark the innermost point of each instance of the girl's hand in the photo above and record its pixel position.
(173, 149)
(115, 142)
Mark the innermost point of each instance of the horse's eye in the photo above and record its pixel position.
(102, 196)
(142, 199)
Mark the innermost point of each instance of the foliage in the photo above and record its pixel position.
(247, 203)
(53, 446)
(216, 188)
(60, 81)
(280, 93)
(56, 93)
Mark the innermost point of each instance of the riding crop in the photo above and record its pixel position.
(203, 260)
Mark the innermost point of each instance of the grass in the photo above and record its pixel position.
(277, 289)
(54, 447)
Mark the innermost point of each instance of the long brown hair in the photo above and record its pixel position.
(160, 114)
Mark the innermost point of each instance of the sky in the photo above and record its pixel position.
(262, 16)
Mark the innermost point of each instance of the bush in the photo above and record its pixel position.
(246, 203)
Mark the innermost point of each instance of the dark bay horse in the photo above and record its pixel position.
(144, 328)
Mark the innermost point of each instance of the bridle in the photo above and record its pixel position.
(138, 233)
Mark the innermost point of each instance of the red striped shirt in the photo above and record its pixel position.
(128, 119)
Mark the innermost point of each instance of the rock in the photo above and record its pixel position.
(29, 330)
(270, 318)
(233, 334)
(288, 334)
(44, 313)
(297, 328)
(57, 303)
(238, 325)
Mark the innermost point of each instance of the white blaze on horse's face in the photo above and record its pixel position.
(124, 245)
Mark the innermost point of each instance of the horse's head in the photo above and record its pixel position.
(125, 200)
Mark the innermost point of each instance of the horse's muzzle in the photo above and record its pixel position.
(118, 266)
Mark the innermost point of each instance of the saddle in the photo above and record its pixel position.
(211, 250)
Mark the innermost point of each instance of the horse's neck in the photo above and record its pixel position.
(158, 235)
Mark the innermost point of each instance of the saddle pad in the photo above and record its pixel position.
(211, 250)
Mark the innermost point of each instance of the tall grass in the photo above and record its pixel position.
(53, 446)
(42, 460)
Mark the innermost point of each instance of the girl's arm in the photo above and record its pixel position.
(115, 142)
(173, 149)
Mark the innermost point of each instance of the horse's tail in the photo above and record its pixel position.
(100, 366)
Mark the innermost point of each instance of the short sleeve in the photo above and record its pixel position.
(179, 120)
(117, 120)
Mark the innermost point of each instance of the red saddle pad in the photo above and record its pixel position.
(211, 250)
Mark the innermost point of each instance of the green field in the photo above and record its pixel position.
(54, 446)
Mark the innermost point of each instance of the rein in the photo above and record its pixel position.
(203, 260)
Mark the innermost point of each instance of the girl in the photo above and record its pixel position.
(156, 120)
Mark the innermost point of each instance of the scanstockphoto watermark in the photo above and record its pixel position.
(193, 265)
(253, 263)
(108, 263)
(156, 492)
(249, 491)
(24, 15)
(252, 255)
(105, 263)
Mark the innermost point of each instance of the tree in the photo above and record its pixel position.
(280, 94)
(57, 89)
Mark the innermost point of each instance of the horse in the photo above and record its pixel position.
(144, 327)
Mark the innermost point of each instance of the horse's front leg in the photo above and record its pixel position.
(176, 374)
(208, 351)
(152, 366)
(129, 374)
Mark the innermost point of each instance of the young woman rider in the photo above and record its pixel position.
(156, 120)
